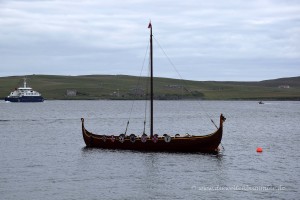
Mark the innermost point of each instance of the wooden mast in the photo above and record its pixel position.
(207, 143)
(151, 81)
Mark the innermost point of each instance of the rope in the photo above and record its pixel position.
(126, 127)
(146, 101)
(184, 81)
(214, 123)
(136, 88)
(222, 146)
(144, 127)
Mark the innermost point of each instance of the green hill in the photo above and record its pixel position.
(131, 87)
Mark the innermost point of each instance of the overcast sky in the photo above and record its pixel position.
(205, 39)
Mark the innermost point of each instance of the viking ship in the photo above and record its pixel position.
(166, 143)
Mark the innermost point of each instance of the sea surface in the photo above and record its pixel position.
(43, 155)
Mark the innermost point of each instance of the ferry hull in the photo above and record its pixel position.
(25, 99)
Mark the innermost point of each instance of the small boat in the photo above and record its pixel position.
(261, 102)
(165, 143)
(24, 94)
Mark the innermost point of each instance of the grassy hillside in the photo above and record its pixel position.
(131, 87)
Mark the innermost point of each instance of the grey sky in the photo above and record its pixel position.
(206, 40)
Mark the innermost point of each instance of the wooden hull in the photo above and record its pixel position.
(208, 143)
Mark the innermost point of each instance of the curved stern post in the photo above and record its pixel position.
(82, 123)
(222, 119)
(86, 138)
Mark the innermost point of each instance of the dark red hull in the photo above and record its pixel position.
(207, 143)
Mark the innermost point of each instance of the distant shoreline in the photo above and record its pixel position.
(279, 99)
(124, 87)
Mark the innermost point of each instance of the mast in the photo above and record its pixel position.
(25, 84)
(151, 81)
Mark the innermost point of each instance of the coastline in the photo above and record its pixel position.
(124, 87)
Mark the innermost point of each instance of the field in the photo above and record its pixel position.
(131, 87)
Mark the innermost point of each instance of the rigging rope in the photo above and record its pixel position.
(136, 90)
(126, 127)
(147, 90)
(144, 127)
(184, 81)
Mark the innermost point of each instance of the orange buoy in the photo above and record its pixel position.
(259, 149)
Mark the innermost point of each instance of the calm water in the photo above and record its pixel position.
(43, 155)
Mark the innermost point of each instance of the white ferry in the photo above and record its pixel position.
(24, 94)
